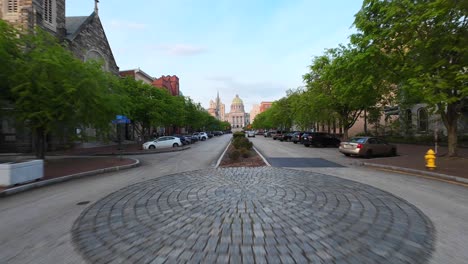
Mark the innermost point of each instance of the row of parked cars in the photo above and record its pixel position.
(356, 146)
(178, 140)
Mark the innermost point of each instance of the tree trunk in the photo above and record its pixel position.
(365, 122)
(450, 119)
(452, 139)
(40, 143)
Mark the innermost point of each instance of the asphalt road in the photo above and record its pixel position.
(444, 203)
(35, 225)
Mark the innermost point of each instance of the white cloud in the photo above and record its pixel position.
(182, 49)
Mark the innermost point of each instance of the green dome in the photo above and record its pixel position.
(237, 101)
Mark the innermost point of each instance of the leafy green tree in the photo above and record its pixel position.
(427, 42)
(51, 88)
(262, 120)
(343, 82)
(10, 52)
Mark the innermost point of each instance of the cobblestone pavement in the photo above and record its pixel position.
(252, 215)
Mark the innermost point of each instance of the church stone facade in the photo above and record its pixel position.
(84, 36)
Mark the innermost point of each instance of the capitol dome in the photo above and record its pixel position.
(237, 105)
(237, 101)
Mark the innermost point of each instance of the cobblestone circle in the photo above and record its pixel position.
(252, 215)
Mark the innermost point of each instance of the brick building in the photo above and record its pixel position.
(171, 83)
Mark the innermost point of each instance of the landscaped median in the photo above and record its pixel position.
(240, 153)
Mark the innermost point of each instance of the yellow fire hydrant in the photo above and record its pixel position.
(430, 158)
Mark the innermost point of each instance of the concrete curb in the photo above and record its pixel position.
(420, 172)
(261, 156)
(144, 152)
(38, 184)
(222, 155)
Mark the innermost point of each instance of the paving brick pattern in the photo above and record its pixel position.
(252, 215)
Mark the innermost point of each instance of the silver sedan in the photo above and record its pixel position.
(367, 147)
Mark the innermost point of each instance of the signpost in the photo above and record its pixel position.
(120, 119)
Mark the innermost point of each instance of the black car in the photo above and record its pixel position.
(217, 133)
(320, 139)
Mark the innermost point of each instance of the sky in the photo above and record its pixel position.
(257, 49)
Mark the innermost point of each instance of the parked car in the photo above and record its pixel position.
(185, 140)
(320, 139)
(259, 132)
(194, 138)
(286, 137)
(163, 142)
(217, 133)
(210, 134)
(278, 135)
(202, 136)
(250, 133)
(269, 134)
(367, 147)
(296, 137)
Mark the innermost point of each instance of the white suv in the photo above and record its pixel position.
(202, 136)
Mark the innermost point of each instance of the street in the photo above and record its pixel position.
(36, 225)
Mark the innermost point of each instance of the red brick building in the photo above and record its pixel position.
(264, 106)
(171, 83)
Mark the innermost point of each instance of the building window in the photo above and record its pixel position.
(49, 8)
(422, 120)
(12, 6)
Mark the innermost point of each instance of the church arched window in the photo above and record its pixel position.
(49, 13)
(422, 120)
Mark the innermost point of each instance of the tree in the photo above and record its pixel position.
(9, 53)
(344, 82)
(52, 88)
(428, 42)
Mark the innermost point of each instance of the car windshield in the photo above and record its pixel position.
(357, 140)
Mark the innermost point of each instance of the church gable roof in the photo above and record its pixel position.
(76, 23)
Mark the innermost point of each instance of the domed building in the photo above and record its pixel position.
(237, 117)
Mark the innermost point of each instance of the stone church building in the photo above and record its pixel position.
(84, 35)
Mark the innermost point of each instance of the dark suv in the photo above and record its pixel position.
(320, 139)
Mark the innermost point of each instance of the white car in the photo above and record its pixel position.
(202, 136)
(163, 142)
(250, 133)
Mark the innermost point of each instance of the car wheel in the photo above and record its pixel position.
(295, 142)
(393, 152)
(346, 154)
(152, 147)
(175, 145)
(203, 139)
(306, 145)
(368, 154)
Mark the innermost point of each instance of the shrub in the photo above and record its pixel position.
(242, 142)
(245, 152)
(235, 155)
(238, 135)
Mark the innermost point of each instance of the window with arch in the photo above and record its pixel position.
(49, 10)
(422, 120)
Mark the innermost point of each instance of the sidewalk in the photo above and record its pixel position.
(411, 159)
(82, 162)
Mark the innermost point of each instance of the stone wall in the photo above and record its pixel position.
(92, 38)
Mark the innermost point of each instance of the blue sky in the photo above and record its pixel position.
(255, 48)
